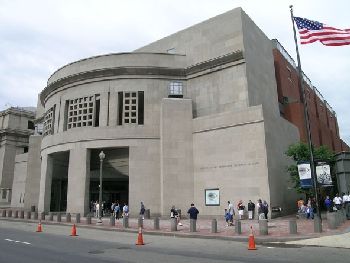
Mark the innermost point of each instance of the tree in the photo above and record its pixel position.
(300, 152)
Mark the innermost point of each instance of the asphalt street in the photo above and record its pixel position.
(20, 243)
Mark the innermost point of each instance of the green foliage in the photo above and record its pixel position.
(300, 152)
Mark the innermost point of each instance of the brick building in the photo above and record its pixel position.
(323, 119)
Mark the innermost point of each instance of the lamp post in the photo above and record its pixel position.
(99, 221)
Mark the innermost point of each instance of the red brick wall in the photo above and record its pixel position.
(323, 123)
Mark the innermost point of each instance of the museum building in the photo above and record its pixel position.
(193, 117)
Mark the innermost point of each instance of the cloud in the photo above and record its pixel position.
(38, 37)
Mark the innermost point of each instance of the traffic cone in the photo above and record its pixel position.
(39, 228)
(140, 238)
(251, 241)
(74, 231)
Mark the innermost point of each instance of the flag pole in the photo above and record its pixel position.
(306, 119)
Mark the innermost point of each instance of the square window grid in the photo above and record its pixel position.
(130, 107)
(80, 112)
(48, 122)
(175, 88)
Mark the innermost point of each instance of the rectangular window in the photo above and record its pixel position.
(83, 112)
(120, 108)
(175, 89)
(130, 107)
(49, 121)
(31, 125)
(140, 107)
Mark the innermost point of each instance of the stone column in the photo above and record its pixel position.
(238, 227)
(112, 220)
(263, 227)
(78, 181)
(45, 183)
(173, 224)
(156, 223)
(125, 222)
(77, 218)
(214, 226)
(293, 227)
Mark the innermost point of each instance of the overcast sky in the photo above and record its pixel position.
(39, 36)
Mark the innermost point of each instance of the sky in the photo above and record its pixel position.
(39, 36)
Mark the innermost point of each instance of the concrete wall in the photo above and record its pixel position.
(230, 154)
(176, 154)
(343, 171)
(19, 181)
(279, 133)
(33, 173)
(205, 40)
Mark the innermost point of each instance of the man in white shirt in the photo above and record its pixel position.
(338, 201)
(346, 202)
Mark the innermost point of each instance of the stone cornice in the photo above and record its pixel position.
(141, 71)
(18, 112)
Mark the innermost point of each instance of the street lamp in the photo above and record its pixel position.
(99, 221)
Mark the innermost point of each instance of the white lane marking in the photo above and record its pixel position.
(17, 241)
(270, 247)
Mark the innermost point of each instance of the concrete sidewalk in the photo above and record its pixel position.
(278, 230)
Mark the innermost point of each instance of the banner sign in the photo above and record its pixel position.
(323, 172)
(304, 171)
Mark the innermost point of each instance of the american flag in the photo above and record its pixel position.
(311, 31)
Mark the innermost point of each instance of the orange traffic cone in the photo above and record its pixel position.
(140, 238)
(251, 241)
(74, 231)
(39, 228)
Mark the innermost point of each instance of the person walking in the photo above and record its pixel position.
(337, 201)
(328, 204)
(116, 210)
(240, 208)
(251, 210)
(125, 210)
(231, 211)
(142, 211)
(193, 212)
(260, 206)
(265, 209)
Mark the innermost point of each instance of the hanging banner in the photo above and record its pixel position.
(323, 173)
(304, 171)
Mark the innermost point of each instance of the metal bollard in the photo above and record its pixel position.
(36, 216)
(139, 222)
(193, 225)
(42, 216)
(173, 224)
(317, 225)
(238, 227)
(29, 215)
(88, 219)
(331, 221)
(112, 220)
(77, 218)
(263, 227)
(293, 227)
(59, 217)
(147, 214)
(156, 223)
(50, 216)
(68, 218)
(214, 226)
(125, 222)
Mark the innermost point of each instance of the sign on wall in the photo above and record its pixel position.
(212, 197)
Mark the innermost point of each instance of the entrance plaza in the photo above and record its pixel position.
(278, 229)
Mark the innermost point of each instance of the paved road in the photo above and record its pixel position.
(19, 243)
